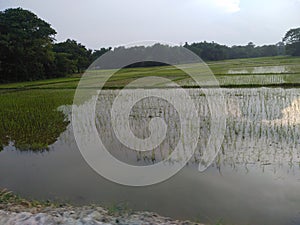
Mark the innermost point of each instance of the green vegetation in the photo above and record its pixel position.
(30, 119)
(28, 51)
(7, 197)
(228, 72)
(117, 209)
(25, 46)
(292, 41)
(9, 200)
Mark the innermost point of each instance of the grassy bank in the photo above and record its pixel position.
(12, 202)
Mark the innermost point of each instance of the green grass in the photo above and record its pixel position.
(28, 84)
(29, 118)
(8, 200)
(117, 209)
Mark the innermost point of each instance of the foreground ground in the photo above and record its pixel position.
(17, 211)
(82, 216)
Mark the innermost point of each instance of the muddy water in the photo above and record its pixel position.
(254, 180)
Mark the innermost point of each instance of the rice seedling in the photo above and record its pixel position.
(30, 120)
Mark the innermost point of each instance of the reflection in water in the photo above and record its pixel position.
(262, 127)
(254, 180)
(266, 129)
(140, 117)
(290, 115)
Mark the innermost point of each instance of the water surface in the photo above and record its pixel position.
(254, 180)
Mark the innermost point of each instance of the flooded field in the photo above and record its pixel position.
(100, 125)
(261, 70)
(256, 172)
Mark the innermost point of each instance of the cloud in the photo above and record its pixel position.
(229, 6)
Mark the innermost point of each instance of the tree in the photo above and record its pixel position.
(208, 51)
(63, 65)
(250, 48)
(25, 46)
(97, 53)
(280, 48)
(76, 52)
(292, 41)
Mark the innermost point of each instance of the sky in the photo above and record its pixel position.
(99, 23)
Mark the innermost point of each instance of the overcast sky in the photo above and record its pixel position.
(103, 23)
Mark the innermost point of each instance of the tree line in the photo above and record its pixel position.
(28, 50)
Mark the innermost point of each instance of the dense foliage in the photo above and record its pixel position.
(214, 51)
(25, 46)
(28, 51)
(292, 40)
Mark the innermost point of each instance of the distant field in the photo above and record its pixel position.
(267, 71)
(29, 115)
